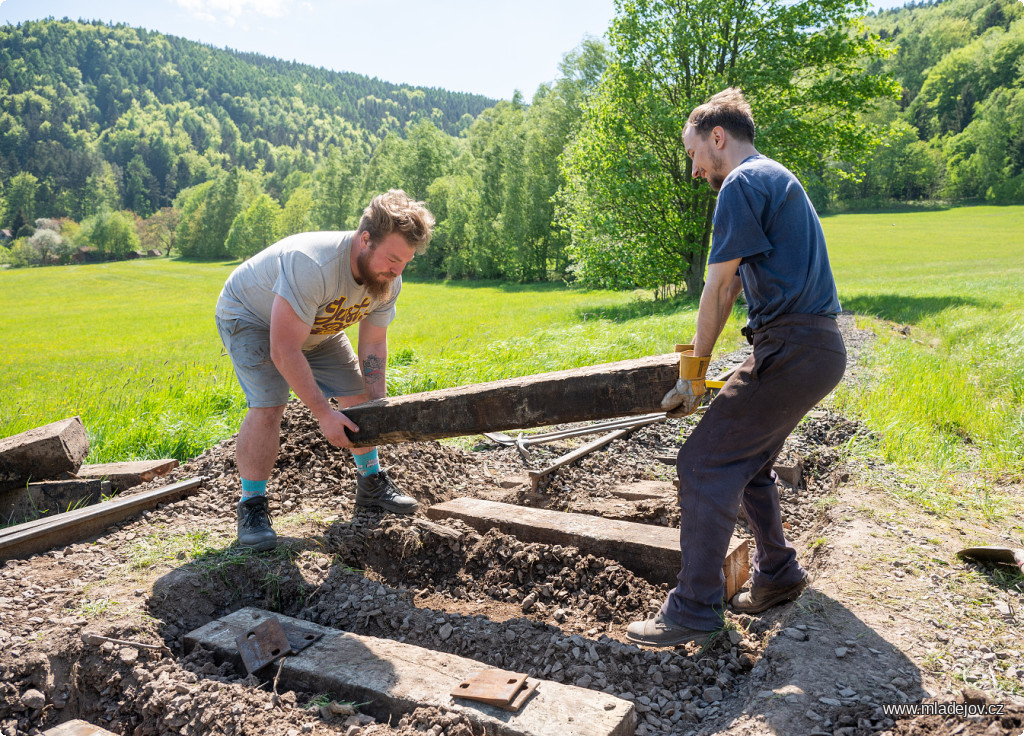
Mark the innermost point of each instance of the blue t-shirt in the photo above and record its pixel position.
(764, 217)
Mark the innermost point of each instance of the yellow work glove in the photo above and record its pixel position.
(685, 397)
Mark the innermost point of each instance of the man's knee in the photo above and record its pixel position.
(264, 417)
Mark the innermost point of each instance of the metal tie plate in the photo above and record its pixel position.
(262, 644)
(500, 688)
(298, 637)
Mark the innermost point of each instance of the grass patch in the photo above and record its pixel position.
(947, 388)
(132, 348)
(158, 548)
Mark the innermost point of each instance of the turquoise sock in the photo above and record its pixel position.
(367, 464)
(253, 488)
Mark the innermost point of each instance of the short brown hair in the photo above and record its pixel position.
(393, 211)
(728, 109)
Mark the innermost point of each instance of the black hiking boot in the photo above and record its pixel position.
(254, 525)
(379, 490)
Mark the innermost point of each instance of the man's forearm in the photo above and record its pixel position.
(374, 360)
(715, 307)
(294, 367)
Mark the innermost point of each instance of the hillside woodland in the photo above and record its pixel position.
(957, 131)
(121, 139)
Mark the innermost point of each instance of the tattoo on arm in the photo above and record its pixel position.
(373, 370)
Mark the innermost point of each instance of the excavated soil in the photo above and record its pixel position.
(891, 618)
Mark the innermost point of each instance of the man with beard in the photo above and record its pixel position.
(767, 242)
(282, 316)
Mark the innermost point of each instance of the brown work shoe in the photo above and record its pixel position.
(657, 632)
(757, 600)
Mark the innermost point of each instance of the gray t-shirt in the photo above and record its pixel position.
(313, 273)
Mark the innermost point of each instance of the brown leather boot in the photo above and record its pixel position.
(757, 600)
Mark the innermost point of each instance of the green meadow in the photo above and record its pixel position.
(947, 379)
(131, 347)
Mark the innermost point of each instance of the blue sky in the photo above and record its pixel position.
(490, 48)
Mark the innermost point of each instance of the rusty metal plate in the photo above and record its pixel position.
(262, 644)
(506, 690)
(529, 688)
(298, 637)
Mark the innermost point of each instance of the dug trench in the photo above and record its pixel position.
(97, 630)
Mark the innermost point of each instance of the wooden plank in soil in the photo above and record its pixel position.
(44, 452)
(123, 476)
(646, 490)
(606, 391)
(60, 530)
(50, 497)
(650, 551)
(394, 678)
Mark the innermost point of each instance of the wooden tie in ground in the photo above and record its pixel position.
(393, 679)
(60, 530)
(43, 453)
(626, 388)
(650, 551)
(123, 476)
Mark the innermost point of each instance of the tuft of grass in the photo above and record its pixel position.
(157, 548)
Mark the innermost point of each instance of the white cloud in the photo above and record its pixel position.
(231, 11)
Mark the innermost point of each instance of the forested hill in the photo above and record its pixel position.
(958, 131)
(167, 113)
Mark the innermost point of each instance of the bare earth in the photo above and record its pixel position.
(892, 616)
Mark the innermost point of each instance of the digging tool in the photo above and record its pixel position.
(1002, 555)
(536, 475)
(541, 437)
(522, 442)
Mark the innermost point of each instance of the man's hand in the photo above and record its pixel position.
(333, 425)
(685, 397)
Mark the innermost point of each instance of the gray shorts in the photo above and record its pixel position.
(334, 363)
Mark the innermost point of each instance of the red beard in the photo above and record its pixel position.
(378, 284)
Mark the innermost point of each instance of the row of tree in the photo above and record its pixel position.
(957, 130)
(587, 182)
(124, 118)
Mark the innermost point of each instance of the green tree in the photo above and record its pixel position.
(207, 213)
(296, 217)
(636, 216)
(430, 155)
(111, 232)
(255, 228)
(452, 199)
(21, 194)
(99, 192)
(157, 231)
(986, 160)
(335, 185)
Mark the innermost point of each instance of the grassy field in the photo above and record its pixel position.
(131, 347)
(949, 394)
